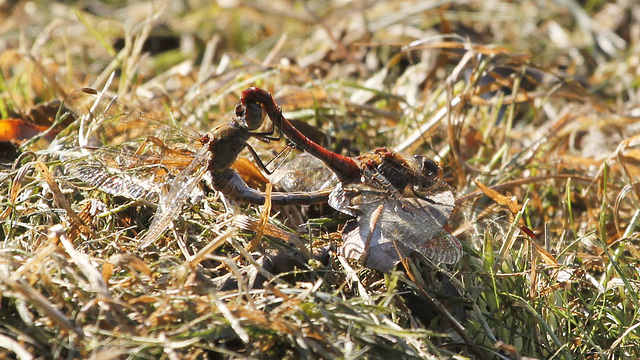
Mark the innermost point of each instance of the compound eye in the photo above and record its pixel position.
(428, 167)
(253, 116)
(428, 173)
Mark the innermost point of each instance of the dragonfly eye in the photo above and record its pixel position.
(253, 116)
(249, 116)
(429, 172)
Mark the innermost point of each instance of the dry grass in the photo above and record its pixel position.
(538, 100)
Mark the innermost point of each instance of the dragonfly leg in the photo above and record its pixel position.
(265, 167)
(267, 136)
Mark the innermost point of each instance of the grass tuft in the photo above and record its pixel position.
(536, 103)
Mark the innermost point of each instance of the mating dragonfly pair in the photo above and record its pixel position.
(400, 205)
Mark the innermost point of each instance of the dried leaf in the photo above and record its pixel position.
(503, 200)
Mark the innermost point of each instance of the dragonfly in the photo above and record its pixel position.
(399, 204)
(125, 152)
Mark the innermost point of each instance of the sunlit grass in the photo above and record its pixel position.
(540, 108)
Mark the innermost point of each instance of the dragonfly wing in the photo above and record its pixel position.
(181, 188)
(304, 173)
(343, 198)
(113, 182)
(364, 240)
(429, 218)
(119, 150)
(390, 226)
(102, 120)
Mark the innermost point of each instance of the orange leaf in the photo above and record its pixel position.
(511, 202)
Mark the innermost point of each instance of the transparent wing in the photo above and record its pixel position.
(390, 226)
(119, 150)
(180, 190)
(103, 121)
(303, 173)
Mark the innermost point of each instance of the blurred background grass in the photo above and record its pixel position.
(539, 99)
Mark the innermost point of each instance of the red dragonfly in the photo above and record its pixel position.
(399, 205)
(125, 152)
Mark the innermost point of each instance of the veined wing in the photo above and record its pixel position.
(120, 150)
(420, 177)
(389, 226)
(180, 190)
(103, 121)
(304, 173)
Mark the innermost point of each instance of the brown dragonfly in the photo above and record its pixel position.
(400, 205)
(125, 152)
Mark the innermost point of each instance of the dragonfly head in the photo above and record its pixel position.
(249, 115)
(428, 172)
